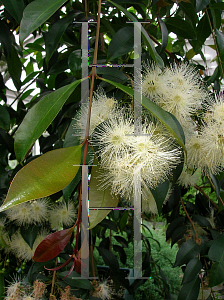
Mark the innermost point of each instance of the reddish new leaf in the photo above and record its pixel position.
(52, 245)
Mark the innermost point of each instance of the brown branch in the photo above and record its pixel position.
(203, 193)
(53, 279)
(189, 218)
(167, 51)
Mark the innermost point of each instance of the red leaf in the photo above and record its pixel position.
(52, 245)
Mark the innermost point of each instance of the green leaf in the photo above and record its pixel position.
(173, 225)
(202, 221)
(187, 251)
(190, 290)
(216, 251)
(44, 176)
(29, 234)
(192, 269)
(167, 119)
(35, 14)
(77, 283)
(155, 56)
(35, 47)
(109, 259)
(218, 5)
(15, 8)
(189, 10)
(164, 34)
(159, 194)
(121, 43)
(39, 117)
(14, 67)
(178, 234)
(53, 36)
(112, 74)
(181, 28)
(220, 41)
(5, 37)
(99, 198)
(201, 4)
(4, 118)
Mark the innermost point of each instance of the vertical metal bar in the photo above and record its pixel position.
(85, 225)
(84, 101)
(137, 131)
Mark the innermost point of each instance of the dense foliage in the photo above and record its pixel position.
(162, 151)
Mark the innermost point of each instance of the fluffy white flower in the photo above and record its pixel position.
(103, 291)
(101, 110)
(112, 137)
(62, 214)
(124, 155)
(21, 249)
(32, 212)
(187, 178)
(153, 84)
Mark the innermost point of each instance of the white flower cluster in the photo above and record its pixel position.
(124, 155)
(36, 212)
(179, 90)
(101, 109)
(20, 291)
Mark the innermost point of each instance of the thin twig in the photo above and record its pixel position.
(53, 279)
(17, 97)
(189, 218)
(203, 193)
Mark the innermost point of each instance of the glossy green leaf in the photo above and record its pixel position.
(187, 251)
(35, 14)
(112, 74)
(173, 226)
(159, 194)
(202, 221)
(5, 37)
(29, 234)
(53, 36)
(15, 8)
(178, 234)
(190, 11)
(220, 41)
(155, 56)
(14, 67)
(216, 253)
(218, 5)
(167, 119)
(216, 274)
(109, 259)
(216, 183)
(35, 47)
(121, 43)
(201, 4)
(164, 34)
(190, 290)
(44, 176)
(99, 198)
(192, 269)
(4, 118)
(181, 28)
(39, 117)
(74, 281)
